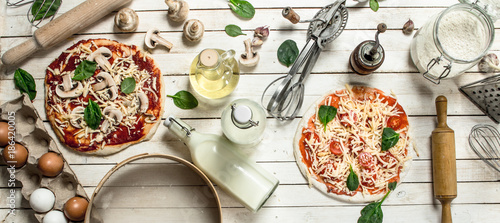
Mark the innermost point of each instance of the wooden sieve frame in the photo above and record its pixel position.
(153, 155)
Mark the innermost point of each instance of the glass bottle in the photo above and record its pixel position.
(214, 73)
(225, 165)
(454, 40)
(243, 122)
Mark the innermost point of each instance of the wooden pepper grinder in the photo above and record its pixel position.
(368, 55)
(444, 170)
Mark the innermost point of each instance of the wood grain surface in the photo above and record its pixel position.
(478, 185)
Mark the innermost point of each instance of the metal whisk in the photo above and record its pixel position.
(485, 141)
(39, 9)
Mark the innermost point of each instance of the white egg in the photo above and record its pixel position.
(54, 217)
(42, 200)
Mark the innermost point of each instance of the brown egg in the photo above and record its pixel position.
(16, 155)
(75, 208)
(50, 164)
(4, 134)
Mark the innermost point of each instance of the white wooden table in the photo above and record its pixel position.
(478, 185)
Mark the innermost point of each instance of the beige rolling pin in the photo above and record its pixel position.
(61, 28)
(444, 170)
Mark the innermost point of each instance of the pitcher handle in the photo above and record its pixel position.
(227, 55)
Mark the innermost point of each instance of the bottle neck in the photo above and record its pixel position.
(180, 129)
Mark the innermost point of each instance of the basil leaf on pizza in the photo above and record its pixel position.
(326, 113)
(92, 115)
(25, 82)
(392, 185)
(389, 138)
(352, 180)
(184, 100)
(128, 85)
(85, 70)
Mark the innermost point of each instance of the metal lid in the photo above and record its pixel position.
(242, 114)
(491, 7)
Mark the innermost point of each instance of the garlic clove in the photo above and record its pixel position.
(257, 41)
(489, 63)
(262, 32)
(408, 27)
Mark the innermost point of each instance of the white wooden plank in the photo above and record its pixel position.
(258, 4)
(422, 213)
(359, 18)
(148, 174)
(284, 196)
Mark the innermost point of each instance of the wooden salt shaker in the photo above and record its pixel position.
(444, 170)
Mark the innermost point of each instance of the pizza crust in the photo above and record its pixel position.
(148, 128)
(314, 180)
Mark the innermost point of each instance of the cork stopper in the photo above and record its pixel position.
(209, 57)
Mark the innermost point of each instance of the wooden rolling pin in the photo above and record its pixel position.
(61, 28)
(444, 170)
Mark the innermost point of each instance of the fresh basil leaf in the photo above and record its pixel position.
(288, 52)
(85, 70)
(44, 8)
(233, 30)
(374, 5)
(92, 115)
(392, 185)
(128, 85)
(371, 213)
(242, 8)
(25, 83)
(389, 138)
(184, 100)
(326, 113)
(352, 180)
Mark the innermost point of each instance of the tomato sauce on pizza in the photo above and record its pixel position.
(353, 139)
(126, 118)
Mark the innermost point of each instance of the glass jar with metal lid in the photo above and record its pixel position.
(454, 40)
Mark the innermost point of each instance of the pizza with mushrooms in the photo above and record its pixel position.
(354, 142)
(102, 96)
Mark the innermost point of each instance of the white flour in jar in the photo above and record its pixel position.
(462, 35)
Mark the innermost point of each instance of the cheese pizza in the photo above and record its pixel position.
(102, 96)
(351, 143)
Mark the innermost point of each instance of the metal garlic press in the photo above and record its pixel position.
(283, 98)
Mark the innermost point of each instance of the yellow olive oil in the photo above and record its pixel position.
(214, 79)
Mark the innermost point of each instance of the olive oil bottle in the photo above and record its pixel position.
(214, 73)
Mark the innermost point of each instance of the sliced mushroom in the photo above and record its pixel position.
(193, 30)
(249, 58)
(113, 90)
(143, 101)
(101, 57)
(177, 10)
(113, 113)
(77, 117)
(126, 20)
(104, 80)
(67, 89)
(153, 38)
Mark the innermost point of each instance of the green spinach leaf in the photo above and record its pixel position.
(352, 180)
(44, 8)
(389, 138)
(85, 70)
(242, 8)
(326, 113)
(288, 52)
(92, 115)
(372, 213)
(184, 100)
(233, 30)
(128, 85)
(374, 5)
(25, 83)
